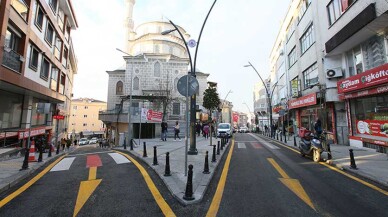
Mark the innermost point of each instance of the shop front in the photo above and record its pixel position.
(366, 101)
(307, 109)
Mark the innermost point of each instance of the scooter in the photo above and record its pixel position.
(310, 145)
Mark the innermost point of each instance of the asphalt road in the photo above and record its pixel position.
(263, 179)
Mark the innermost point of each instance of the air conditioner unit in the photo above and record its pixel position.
(334, 73)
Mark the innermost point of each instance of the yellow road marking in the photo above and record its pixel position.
(85, 191)
(215, 205)
(92, 173)
(356, 179)
(166, 209)
(28, 184)
(292, 184)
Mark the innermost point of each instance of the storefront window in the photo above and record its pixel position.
(358, 60)
(370, 116)
(37, 118)
(10, 110)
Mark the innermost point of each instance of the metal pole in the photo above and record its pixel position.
(25, 162)
(141, 111)
(187, 124)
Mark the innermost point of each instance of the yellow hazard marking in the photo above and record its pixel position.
(166, 209)
(215, 205)
(92, 173)
(292, 184)
(85, 191)
(356, 179)
(29, 183)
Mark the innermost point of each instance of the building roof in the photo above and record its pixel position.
(87, 99)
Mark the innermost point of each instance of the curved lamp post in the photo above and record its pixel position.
(193, 149)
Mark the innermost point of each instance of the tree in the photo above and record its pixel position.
(211, 101)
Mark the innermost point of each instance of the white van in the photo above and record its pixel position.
(224, 130)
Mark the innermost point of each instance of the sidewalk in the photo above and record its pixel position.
(10, 173)
(370, 164)
(176, 183)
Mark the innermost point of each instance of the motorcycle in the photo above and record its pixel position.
(310, 145)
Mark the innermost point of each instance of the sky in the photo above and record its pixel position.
(234, 34)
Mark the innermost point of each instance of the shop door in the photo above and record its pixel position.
(307, 121)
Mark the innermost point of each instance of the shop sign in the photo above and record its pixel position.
(368, 92)
(34, 132)
(58, 117)
(276, 109)
(310, 99)
(372, 77)
(235, 117)
(372, 127)
(294, 88)
(151, 115)
(8, 134)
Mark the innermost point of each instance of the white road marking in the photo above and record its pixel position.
(265, 142)
(64, 164)
(241, 145)
(120, 159)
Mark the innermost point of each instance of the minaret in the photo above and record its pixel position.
(128, 23)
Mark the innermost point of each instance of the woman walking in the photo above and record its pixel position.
(177, 130)
(206, 131)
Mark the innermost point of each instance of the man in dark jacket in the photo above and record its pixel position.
(164, 131)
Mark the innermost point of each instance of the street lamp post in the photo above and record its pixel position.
(249, 112)
(193, 149)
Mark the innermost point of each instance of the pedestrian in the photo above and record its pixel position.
(177, 130)
(318, 128)
(75, 142)
(164, 131)
(206, 131)
(63, 143)
(265, 128)
(100, 142)
(68, 144)
(198, 128)
(212, 130)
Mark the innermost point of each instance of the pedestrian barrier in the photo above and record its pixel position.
(206, 167)
(144, 150)
(189, 186)
(31, 154)
(218, 148)
(214, 154)
(167, 171)
(155, 157)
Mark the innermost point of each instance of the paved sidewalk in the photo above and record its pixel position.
(10, 173)
(176, 183)
(370, 164)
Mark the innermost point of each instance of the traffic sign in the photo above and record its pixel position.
(187, 88)
(192, 43)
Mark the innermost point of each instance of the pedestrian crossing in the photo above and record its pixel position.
(92, 160)
(255, 145)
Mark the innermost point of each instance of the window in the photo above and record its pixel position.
(307, 38)
(136, 83)
(350, 62)
(358, 60)
(39, 16)
(12, 38)
(85, 107)
(54, 78)
(292, 57)
(11, 109)
(85, 116)
(262, 105)
(176, 108)
(290, 29)
(310, 76)
(53, 4)
(61, 16)
(119, 88)
(157, 69)
(304, 4)
(45, 69)
(62, 84)
(49, 34)
(85, 124)
(34, 57)
(57, 48)
(21, 7)
(65, 56)
(336, 8)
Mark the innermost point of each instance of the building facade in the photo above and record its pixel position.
(84, 118)
(260, 105)
(37, 70)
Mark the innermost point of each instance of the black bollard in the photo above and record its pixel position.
(222, 147)
(214, 154)
(40, 158)
(125, 144)
(144, 150)
(218, 148)
(58, 146)
(329, 157)
(206, 167)
(167, 171)
(352, 161)
(49, 152)
(294, 140)
(155, 157)
(189, 186)
(131, 144)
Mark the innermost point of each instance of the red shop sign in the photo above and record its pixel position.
(310, 99)
(376, 90)
(373, 127)
(34, 132)
(372, 77)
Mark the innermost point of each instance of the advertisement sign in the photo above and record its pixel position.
(58, 117)
(235, 117)
(295, 88)
(151, 115)
(34, 132)
(370, 78)
(372, 127)
(310, 99)
(377, 90)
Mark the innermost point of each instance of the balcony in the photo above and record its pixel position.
(12, 60)
(21, 7)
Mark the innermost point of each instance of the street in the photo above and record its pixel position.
(263, 179)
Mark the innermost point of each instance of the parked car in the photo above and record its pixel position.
(83, 141)
(224, 130)
(93, 140)
(243, 130)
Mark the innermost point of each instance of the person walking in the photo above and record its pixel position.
(318, 128)
(177, 130)
(164, 131)
(198, 128)
(206, 131)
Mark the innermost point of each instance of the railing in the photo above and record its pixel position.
(12, 60)
(21, 7)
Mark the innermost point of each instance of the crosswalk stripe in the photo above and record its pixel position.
(256, 145)
(119, 159)
(64, 164)
(265, 142)
(241, 145)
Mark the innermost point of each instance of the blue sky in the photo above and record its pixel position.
(235, 33)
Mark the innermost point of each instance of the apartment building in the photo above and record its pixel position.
(37, 67)
(260, 105)
(84, 117)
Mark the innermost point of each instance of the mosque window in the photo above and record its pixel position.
(136, 83)
(119, 88)
(157, 69)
